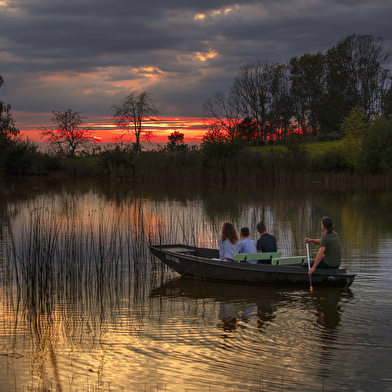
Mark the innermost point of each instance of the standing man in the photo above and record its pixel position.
(266, 242)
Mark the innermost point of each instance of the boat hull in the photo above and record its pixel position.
(198, 263)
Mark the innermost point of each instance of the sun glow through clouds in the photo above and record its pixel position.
(104, 130)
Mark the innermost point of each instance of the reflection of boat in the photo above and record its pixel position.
(244, 302)
(237, 302)
(199, 262)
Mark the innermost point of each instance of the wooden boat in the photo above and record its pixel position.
(202, 263)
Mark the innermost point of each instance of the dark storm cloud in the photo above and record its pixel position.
(87, 54)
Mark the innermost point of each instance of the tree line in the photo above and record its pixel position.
(344, 92)
(308, 95)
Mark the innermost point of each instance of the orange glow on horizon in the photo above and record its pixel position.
(104, 130)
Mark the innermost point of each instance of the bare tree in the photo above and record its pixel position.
(221, 111)
(132, 115)
(68, 136)
(251, 94)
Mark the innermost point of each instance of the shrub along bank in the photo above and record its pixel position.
(218, 162)
(365, 150)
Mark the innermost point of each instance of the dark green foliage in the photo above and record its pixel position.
(117, 161)
(311, 94)
(388, 104)
(220, 150)
(52, 163)
(378, 144)
(22, 157)
(332, 161)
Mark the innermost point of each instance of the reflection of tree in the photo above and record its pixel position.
(291, 211)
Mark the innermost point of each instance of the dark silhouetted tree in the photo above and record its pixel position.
(68, 137)
(176, 141)
(134, 114)
(221, 112)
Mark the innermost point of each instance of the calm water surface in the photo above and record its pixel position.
(85, 307)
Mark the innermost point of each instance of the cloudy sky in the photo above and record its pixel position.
(88, 54)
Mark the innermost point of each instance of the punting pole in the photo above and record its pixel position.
(310, 276)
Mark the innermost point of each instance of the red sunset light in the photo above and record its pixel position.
(107, 132)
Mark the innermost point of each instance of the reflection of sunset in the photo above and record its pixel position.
(105, 130)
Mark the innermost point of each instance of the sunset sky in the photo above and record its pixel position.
(87, 55)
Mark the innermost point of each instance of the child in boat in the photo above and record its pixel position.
(247, 245)
(228, 242)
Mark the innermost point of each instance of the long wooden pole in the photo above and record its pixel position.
(310, 276)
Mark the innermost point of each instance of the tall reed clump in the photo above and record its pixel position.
(51, 254)
(54, 255)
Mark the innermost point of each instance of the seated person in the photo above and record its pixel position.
(266, 242)
(228, 242)
(247, 245)
(329, 252)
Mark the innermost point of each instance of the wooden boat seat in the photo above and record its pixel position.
(256, 256)
(298, 260)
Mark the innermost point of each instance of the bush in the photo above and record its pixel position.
(378, 146)
(332, 161)
(220, 150)
(117, 161)
(22, 157)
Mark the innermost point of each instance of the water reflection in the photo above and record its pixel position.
(237, 303)
(81, 297)
(269, 319)
(243, 303)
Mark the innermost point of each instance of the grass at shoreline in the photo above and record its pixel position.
(314, 148)
(217, 163)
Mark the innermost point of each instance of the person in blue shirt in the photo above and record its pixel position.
(266, 242)
(228, 242)
(247, 245)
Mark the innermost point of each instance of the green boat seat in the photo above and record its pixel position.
(297, 260)
(257, 256)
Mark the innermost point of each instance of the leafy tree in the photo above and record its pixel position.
(132, 115)
(368, 142)
(340, 97)
(216, 145)
(355, 128)
(67, 137)
(307, 89)
(7, 124)
(281, 102)
(23, 157)
(176, 141)
(387, 110)
(363, 63)
(247, 128)
(378, 145)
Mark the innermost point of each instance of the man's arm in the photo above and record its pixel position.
(315, 241)
(318, 259)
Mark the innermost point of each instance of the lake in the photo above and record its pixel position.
(85, 306)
